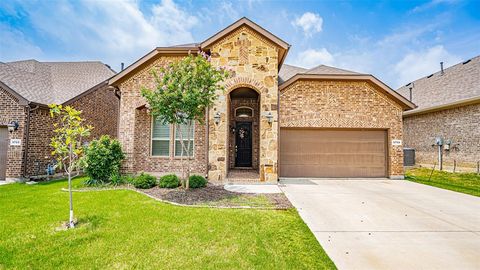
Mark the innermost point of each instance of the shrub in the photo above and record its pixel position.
(128, 179)
(169, 181)
(117, 180)
(103, 158)
(197, 181)
(145, 181)
(91, 182)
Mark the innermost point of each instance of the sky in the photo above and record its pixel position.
(396, 41)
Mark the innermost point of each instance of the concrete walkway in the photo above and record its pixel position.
(389, 224)
(253, 188)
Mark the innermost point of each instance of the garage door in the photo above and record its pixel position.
(3, 151)
(333, 153)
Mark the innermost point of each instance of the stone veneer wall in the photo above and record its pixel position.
(11, 110)
(135, 127)
(253, 104)
(343, 104)
(254, 61)
(461, 125)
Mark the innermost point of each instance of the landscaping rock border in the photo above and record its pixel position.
(211, 196)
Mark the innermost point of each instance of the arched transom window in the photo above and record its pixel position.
(243, 112)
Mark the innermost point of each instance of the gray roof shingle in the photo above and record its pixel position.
(288, 71)
(457, 83)
(52, 82)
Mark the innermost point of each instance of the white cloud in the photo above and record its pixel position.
(14, 45)
(311, 23)
(111, 31)
(312, 57)
(418, 64)
(380, 56)
(431, 4)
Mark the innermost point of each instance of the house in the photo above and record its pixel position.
(26, 89)
(449, 109)
(273, 120)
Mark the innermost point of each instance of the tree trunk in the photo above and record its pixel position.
(181, 155)
(186, 173)
(189, 133)
(71, 224)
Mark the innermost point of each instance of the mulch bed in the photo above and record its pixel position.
(215, 195)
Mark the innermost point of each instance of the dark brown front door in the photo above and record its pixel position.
(243, 144)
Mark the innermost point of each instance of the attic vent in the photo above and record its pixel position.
(466, 62)
(429, 75)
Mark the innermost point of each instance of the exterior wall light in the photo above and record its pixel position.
(13, 126)
(217, 118)
(269, 117)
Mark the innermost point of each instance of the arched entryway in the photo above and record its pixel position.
(244, 121)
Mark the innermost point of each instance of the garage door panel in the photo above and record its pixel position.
(332, 153)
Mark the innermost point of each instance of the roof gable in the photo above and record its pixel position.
(406, 104)
(184, 49)
(244, 21)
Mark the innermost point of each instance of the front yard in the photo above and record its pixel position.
(468, 183)
(125, 229)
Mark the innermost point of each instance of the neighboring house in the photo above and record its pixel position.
(26, 89)
(449, 108)
(273, 120)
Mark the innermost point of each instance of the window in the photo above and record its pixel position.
(243, 112)
(185, 137)
(160, 139)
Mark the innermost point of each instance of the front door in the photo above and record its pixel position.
(243, 144)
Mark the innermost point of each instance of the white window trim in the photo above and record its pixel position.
(169, 139)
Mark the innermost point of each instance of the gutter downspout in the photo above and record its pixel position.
(118, 94)
(27, 136)
(207, 142)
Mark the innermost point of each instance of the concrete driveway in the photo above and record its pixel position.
(389, 224)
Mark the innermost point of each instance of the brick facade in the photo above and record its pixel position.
(344, 104)
(11, 110)
(99, 109)
(359, 103)
(461, 125)
(144, 161)
(135, 127)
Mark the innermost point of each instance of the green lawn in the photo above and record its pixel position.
(124, 229)
(468, 183)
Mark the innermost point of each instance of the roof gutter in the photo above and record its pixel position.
(459, 103)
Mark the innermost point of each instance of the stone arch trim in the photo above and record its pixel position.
(238, 82)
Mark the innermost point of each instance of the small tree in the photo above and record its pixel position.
(67, 143)
(184, 91)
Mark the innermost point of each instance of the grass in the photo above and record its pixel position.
(245, 200)
(122, 229)
(468, 183)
